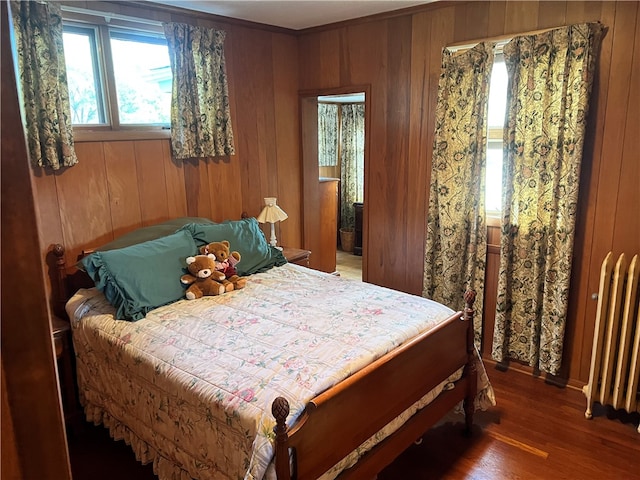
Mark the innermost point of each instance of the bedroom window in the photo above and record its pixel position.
(495, 122)
(118, 77)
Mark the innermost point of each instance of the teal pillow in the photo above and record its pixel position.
(246, 238)
(141, 277)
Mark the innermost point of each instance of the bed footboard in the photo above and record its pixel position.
(339, 420)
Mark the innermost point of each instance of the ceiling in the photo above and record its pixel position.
(293, 14)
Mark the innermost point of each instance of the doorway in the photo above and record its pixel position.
(334, 148)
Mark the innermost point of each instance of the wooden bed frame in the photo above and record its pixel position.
(339, 420)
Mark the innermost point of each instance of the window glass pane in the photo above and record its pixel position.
(85, 94)
(143, 78)
(496, 117)
(493, 185)
(498, 93)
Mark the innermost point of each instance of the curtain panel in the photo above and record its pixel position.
(328, 134)
(43, 83)
(352, 161)
(550, 80)
(200, 114)
(456, 237)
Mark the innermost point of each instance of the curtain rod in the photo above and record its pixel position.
(500, 40)
(108, 15)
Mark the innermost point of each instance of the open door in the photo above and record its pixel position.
(321, 194)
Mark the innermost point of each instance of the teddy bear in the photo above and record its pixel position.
(226, 262)
(203, 278)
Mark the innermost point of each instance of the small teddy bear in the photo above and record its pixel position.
(226, 262)
(203, 278)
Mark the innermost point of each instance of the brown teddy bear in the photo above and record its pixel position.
(203, 278)
(226, 262)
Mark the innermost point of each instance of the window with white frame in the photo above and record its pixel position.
(118, 77)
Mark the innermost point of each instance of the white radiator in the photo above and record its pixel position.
(615, 362)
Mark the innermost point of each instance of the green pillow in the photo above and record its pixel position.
(246, 238)
(144, 234)
(141, 277)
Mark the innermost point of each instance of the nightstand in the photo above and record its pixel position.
(297, 256)
(61, 330)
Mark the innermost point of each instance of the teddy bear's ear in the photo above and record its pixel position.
(211, 255)
(190, 260)
(226, 243)
(204, 249)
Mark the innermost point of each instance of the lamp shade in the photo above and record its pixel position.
(271, 213)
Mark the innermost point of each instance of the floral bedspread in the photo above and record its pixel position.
(190, 386)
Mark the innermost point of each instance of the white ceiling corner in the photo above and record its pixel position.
(293, 14)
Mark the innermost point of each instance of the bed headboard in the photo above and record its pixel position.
(65, 281)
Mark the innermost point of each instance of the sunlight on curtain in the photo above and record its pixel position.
(327, 134)
(456, 243)
(200, 114)
(551, 75)
(43, 83)
(352, 161)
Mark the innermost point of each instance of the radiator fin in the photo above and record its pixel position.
(615, 362)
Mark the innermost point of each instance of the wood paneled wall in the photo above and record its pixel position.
(399, 57)
(120, 185)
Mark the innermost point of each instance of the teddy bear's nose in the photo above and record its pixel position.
(204, 273)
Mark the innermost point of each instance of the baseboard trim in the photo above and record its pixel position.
(529, 371)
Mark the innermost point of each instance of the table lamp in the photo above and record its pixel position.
(272, 213)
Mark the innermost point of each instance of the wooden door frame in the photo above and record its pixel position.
(34, 442)
(308, 101)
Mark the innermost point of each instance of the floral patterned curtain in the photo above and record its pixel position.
(43, 83)
(327, 134)
(200, 115)
(456, 243)
(550, 78)
(351, 161)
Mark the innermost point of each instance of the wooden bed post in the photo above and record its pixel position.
(470, 369)
(280, 410)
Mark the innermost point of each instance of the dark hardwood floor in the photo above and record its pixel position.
(536, 431)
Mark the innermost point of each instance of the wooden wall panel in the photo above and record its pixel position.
(551, 14)
(399, 204)
(289, 174)
(84, 201)
(471, 20)
(521, 16)
(326, 69)
(122, 179)
(196, 181)
(46, 196)
(628, 227)
(584, 262)
(174, 177)
(225, 193)
(254, 68)
(495, 23)
(418, 142)
(153, 206)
